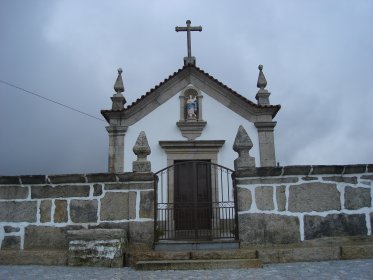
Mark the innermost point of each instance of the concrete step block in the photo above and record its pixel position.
(357, 251)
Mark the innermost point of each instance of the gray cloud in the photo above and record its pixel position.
(317, 59)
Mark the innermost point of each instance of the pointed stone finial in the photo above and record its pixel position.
(118, 86)
(263, 95)
(242, 145)
(118, 98)
(262, 82)
(142, 150)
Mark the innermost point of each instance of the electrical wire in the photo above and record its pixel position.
(50, 100)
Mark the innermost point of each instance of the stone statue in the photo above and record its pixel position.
(191, 107)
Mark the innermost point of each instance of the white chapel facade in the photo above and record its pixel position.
(190, 116)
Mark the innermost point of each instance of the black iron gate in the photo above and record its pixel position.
(195, 200)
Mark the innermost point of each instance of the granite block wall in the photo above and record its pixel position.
(290, 204)
(37, 211)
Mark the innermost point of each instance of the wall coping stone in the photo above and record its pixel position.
(135, 176)
(67, 178)
(75, 178)
(308, 170)
(101, 177)
(9, 180)
(33, 179)
(370, 167)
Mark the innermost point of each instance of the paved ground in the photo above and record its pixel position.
(356, 269)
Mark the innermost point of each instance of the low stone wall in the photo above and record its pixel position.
(37, 211)
(281, 205)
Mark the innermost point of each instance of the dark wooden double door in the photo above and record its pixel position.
(192, 198)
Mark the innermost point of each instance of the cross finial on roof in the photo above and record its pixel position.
(189, 59)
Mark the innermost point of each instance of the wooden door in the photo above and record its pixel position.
(192, 196)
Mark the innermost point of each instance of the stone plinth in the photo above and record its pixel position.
(97, 247)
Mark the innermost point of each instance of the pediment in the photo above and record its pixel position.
(186, 76)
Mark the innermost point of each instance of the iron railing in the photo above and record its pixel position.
(195, 200)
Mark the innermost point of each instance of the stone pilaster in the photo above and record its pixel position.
(116, 147)
(266, 143)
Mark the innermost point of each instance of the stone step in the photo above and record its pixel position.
(191, 246)
(191, 255)
(33, 257)
(198, 264)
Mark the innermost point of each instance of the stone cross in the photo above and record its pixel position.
(189, 59)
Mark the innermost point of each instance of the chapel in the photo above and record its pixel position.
(190, 116)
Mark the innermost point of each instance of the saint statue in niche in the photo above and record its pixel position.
(191, 108)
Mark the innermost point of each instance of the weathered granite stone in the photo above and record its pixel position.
(357, 168)
(257, 181)
(61, 191)
(133, 176)
(356, 198)
(13, 192)
(297, 170)
(318, 197)
(308, 178)
(101, 177)
(11, 242)
(370, 168)
(83, 211)
(97, 247)
(9, 180)
(141, 150)
(33, 179)
(45, 211)
(341, 179)
(371, 218)
(97, 190)
(367, 177)
(327, 169)
(242, 145)
(114, 206)
(66, 179)
(244, 199)
(60, 211)
(18, 211)
(130, 186)
(264, 198)
(9, 229)
(132, 205)
(108, 225)
(39, 237)
(268, 171)
(281, 198)
(334, 225)
(268, 229)
(141, 232)
(147, 204)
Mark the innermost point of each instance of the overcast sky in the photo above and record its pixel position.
(317, 57)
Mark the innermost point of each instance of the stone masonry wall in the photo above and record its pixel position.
(37, 211)
(291, 204)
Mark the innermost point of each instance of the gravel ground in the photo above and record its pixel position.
(353, 269)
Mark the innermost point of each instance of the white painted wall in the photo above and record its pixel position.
(222, 124)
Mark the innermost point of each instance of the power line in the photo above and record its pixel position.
(50, 100)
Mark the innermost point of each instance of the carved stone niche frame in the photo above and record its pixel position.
(191, 127)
